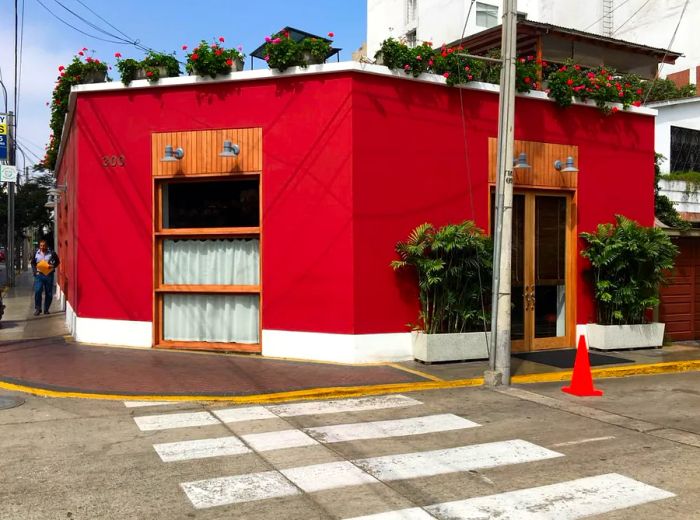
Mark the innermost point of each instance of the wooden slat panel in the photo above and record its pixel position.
(206, 345)
(208, 231)
(541, 157)
(202, 148)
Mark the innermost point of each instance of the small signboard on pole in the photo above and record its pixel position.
(4, 132)
(8, 173)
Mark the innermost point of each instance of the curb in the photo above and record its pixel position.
(357, 391)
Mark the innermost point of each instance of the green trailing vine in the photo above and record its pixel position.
(664, 208)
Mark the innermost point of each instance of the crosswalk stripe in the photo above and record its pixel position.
(414, 513)
(463, 458)
(174, 420)
(200, 449)
(563, 501)
(241, 488)
(343, 405)
(392, 428)
(332, 475)
(137, 404)
(250, 413)
(278, 440)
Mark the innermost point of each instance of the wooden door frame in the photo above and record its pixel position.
(529, 342)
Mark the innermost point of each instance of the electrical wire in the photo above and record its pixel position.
(670, 44)
(611, 12)
(105, 21)
(19, 72)
(633, 15)
(75, 28)
(469, 181)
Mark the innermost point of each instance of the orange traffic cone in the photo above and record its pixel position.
(581, 380)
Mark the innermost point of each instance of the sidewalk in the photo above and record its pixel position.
(37, 356)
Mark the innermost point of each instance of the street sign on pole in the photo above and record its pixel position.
(4, 131)
(8, 173)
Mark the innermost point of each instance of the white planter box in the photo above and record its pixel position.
(619, 337)
(432, 348)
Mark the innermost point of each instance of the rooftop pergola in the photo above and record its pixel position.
(557, 44)
(296, 35)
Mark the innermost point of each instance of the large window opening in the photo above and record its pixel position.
(685, 149)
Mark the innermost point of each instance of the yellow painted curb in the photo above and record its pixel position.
(356, 391)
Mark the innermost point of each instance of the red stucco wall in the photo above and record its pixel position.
(351, 163)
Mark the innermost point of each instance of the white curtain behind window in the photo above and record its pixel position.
(222, 318)
(218, 262)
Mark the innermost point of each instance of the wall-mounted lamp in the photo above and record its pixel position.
(569, 165)
(521, 161)
(230, 149)
(172, 155)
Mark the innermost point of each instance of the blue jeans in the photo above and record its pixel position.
(43, 283)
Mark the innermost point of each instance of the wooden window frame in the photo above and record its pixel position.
(160, 289)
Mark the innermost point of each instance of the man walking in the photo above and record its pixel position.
(44, 263)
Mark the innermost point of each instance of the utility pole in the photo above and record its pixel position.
(499, 360)
(10, 256)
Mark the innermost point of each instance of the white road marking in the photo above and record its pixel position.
(174, 420)
(320, 477)
(463, 458)
(394, 428)
(563, 501)
(342, 405)
(414, 513)
(200, 449)
(583, 441)
(240, 488)
(136, 404)
(251, 413)
(278, 440)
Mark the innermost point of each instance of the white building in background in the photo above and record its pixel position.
(650, 23)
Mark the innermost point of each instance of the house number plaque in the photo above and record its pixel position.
(113, 160)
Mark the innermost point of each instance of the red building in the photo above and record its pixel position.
(285, 248)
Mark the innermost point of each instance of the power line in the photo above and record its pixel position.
(611, 12)
(670, 44)
(73, 27)
(90, 24)
(19, 72)
(107, 22)
(633, 15)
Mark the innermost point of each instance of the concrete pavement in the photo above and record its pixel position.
(37, 357)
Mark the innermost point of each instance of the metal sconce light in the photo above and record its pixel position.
(173, 155)
(569, 165)
(50, 199)
(230, 149)
(521, 161)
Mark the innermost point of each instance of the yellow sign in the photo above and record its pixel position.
(3, 128)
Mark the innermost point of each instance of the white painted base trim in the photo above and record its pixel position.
(111, 332)
(341, 348)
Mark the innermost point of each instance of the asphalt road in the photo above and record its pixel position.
(532, 452)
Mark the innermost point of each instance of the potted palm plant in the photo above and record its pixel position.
(453, 266)
(629, 262)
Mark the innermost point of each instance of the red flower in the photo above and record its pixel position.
(80, 53)
(89, 59)
(470, 77)
(149, 73)
(85, 48)
(61, 68)
(221, 39)
(229, 62)
(530, 58)
(569, 81)
(184, 47)
(117, 55)
(527, 80)
(637, 103)
(97, 61)
(577, 67)
(419, 58)
(521, 60)
(331, 35)
(194, 57)
(639, 91)
(446, 74)
(218, 52)
(615, 109)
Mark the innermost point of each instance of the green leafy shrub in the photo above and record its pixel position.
(629, 262)
(453, 266)
(664, 208)
(210, 60)
(283, 52)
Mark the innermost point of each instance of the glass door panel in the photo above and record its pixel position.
(549, 296)
(517, 279)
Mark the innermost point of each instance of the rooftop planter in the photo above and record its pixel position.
(452, 265)
(154, 66)
(628, 262)
(281, 51)
(213, 59)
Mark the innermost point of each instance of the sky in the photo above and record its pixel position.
(158, 24)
